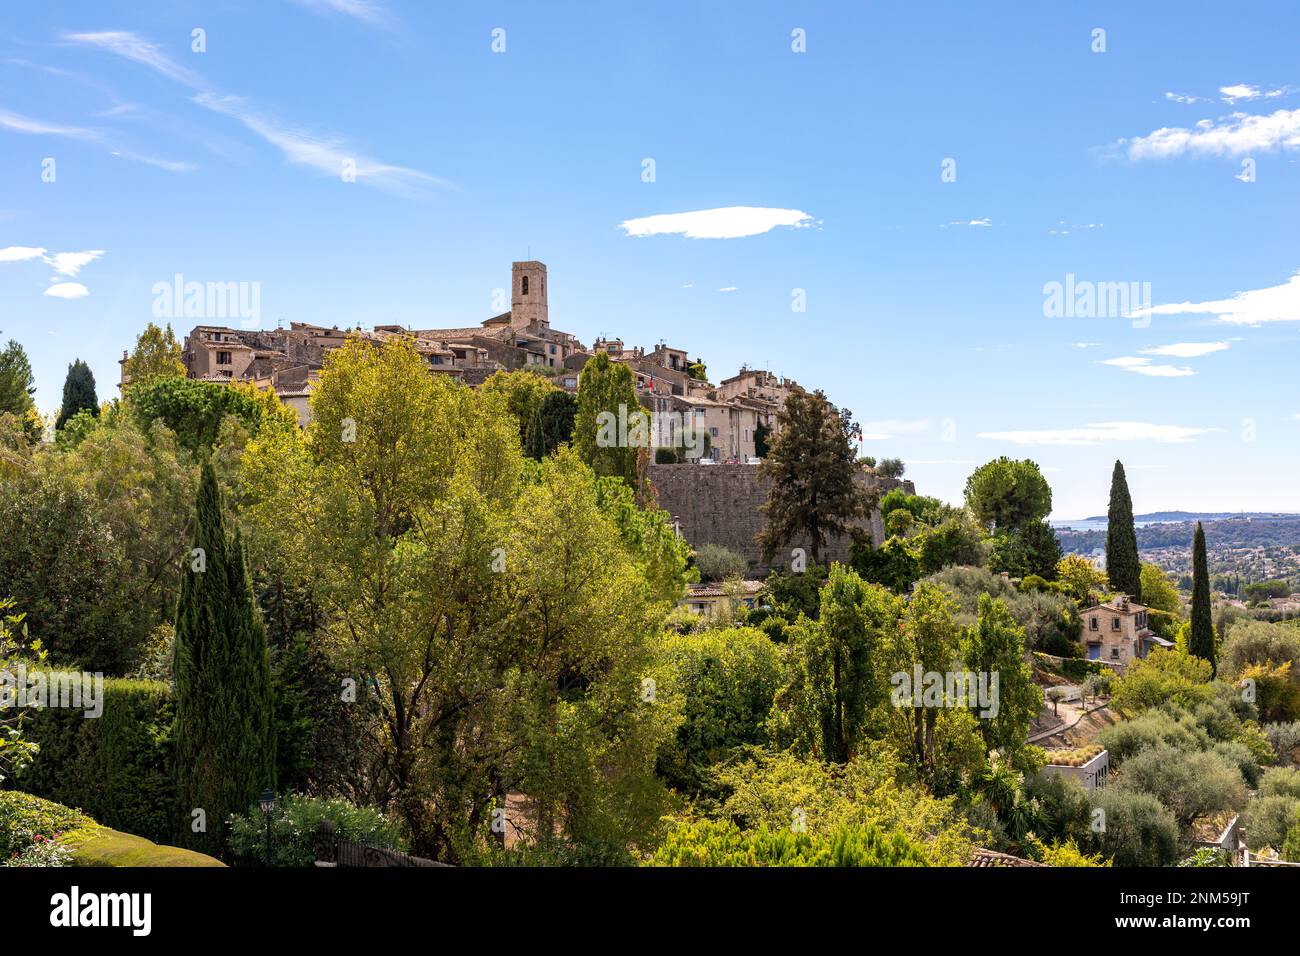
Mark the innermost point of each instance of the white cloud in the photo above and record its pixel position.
(134, 47)
(969, 222)
(1186, 350)
(21, 253)
(68, 290)
(1098, 433)
(25, 124)
(1086, 345)
(70, 263)
(730, 222)
(367, 11)
(1279, 303)
(728, 288)
(1234, 135)
(1143, 366)
(1182, 98)
(1243, 91)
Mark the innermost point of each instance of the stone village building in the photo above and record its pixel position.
(1116, 632)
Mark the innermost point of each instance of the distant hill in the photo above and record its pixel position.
(1160, 516)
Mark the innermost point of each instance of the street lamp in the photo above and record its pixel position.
(267, 802)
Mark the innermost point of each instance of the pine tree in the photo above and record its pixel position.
(812, 468)
(225, 736)
(16, 381)
(607, 427)
(1122, 564)
(1201, 643)
(78, 393)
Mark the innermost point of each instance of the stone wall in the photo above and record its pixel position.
(718, 504)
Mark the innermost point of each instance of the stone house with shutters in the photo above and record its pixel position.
(1116, 631)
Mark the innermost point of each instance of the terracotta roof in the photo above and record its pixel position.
(719, 588)
(987, 858)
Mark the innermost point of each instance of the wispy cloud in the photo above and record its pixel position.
(1143, 366)
(1186, 350)
(1098, 433)
(34, 127)
(1183, 98)
(729, 288)
(1244, 91)
(1234, 135)
(325, 154)
(730, 222)
(971, 222)
(1279, 303)
(887, 428)
(367, 11)
(70, 263)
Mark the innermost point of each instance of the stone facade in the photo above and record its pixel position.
(719, 504)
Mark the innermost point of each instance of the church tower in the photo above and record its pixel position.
(528, 294)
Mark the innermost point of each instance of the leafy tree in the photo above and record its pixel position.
(606, 398)
(78, 393)
(891, 468)
(1030, 550)
(1158, 592)
(649, 538)
(727, 679)
(1191, 785)
(225, 735)
(1050, 620)
(1202, 642)
(895, 564)
(898, 523)
(812, 470)
(761, 435)
(17, 384)
(1122, 564)
(833, 684)
(955, 540)
(1159, 677)
(1081, 579)
(1008, 494)
(157, 354)
(716, 563)
(1135, 829)
(996, 645)
(523, 392)
(1259, 642)
(192, 409)
(62, 563)
(15, 752)
(698, 371)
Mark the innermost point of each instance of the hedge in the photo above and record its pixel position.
(115, 767)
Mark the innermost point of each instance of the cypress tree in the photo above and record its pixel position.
(224, 733)
(1122, 564)
(78, 393)
(1201, 643)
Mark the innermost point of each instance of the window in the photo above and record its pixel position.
(1114, 653)
(1092, 624)
(713, 432)
(552, 349)
(1114, 624)
(223, 358)
(524, 285)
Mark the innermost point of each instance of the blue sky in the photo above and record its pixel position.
(925, 303)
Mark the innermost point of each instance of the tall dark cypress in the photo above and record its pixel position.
(1201, 643)
(1122, 564)
(78, 393)
(225, 735)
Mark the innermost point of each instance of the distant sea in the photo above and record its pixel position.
(1094, 524)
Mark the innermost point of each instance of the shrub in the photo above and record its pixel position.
(1150, 729)
(1162, 676)
(1192, 785)
(1136, 829)
(722, 843)
(1285, 739)
(1207, 856)
(1063, 810)
(1258, 642)
(193, 409)
(115, 767)
(1291, 845)
(1238, 755)
(1280, 781)
(294, 825)
(1069, 854)
(30, 828)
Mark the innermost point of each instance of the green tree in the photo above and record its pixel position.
(761, 435)
(609, 420)
(812, 470)
(157, 354)
(833, 685)
(891, 468)
(996, 645)
(524, 392)
(17, 384)
(78, 393)
(194, 410)
(1137, 830)
(1081, 579)
(1162, 676)
(721, 843)
(1010, 494)
(554, 424)
(716, 563)
(1158, 592)
(1191, 785)
(1202, 637)
(224, 733)
(1122, 564)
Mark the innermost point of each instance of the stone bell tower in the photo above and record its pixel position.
(528, 294)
